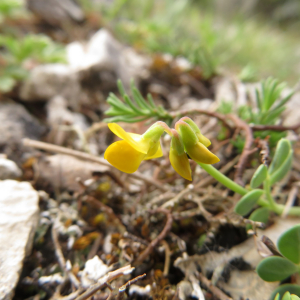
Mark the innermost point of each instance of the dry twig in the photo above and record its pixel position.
(265, 151)
(275, 127)
(87, 156)
(247, 151)
(220, 117)
(214, 289)
(160, 237)
(102, 282)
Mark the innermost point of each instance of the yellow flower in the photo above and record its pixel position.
(127, 155)
(194, 144)
(178, 157)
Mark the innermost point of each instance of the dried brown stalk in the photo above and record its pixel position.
(275, 127)
(89, 157)
(214, 289)
(220, 117)
(160, 237)
(247, 151)
(102, 283)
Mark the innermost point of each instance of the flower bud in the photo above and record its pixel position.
(194, 148)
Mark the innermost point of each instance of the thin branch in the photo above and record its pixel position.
(167, 258)
(178, 197)
(60, 256)
(247, 151)
(123, 288)
(274, 127)
(265, 151)
(89, 157)
(220, 117)
(107, 209)
(214, 289)
(102, 283)
(160, 237)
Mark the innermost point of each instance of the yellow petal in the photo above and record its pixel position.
(200, 153)
(204, 140)
(124, 157)
(137, 143)
(181, 164)
(157, 153)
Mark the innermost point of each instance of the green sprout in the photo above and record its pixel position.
(134, 110)
(270, 107)
(16, 51)
(278, 268)
(280, 166)
(286, 296)
(138, 109)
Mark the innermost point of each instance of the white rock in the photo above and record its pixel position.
(15, 124)
(93, 270)
(19, 214)
(47, 81)
(9, 169)
(104, 52)
(140, 290)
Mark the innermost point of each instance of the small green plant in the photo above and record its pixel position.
(269, 108)
(16, 51)
(277, 268)
(286, 296)
(139, 109)
(266, 176)
(268, 112)
(133, 110)
(10, 9)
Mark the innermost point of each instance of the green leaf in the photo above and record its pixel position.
(275, 268)
(288, 287)
(281, 172)
(277, 297)
(151, 101)
(289, 244)
(282, 149)
(139, 99)
(121, 88)
(259, 215)
(258, 99)
(6, 83)
(259, 176)
(284, 100)
(286, 296)
(113, 100)
(126, 119)
(131, 105)
(272, 115)
(247, 202)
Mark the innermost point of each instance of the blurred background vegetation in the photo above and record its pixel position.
(252, 39)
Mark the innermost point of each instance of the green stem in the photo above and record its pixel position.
(269, 203)
(223, 179)
(267, 188)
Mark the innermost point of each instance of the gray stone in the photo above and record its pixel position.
(9, 169)
(56, 12)
(104, 53)
(15, 124)
(19, 215)
(47, 81)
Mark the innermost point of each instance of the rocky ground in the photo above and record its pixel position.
(74, 227)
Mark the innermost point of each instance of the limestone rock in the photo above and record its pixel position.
(47, 81)
(19, 214)
(104, 52)
(15, 124)
(9, 169)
